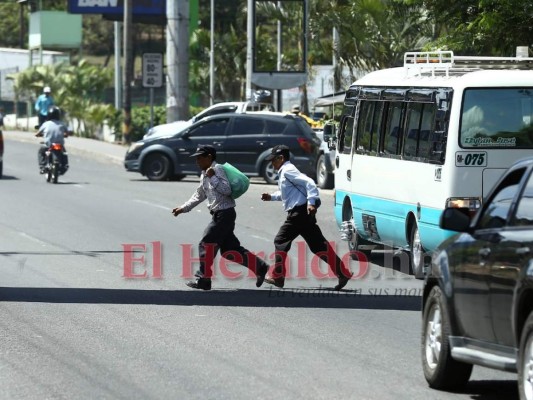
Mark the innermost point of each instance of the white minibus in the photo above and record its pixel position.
(437, 132)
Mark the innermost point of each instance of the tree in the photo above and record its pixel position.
(480, 27)
(76, 89)
(373, 34)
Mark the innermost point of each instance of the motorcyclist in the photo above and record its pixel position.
(53, 131)
(43, 104)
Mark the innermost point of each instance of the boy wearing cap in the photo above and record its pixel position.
(43, 104)
(300, 198)
(214, 187)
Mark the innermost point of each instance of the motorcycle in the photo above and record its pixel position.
(55, 157)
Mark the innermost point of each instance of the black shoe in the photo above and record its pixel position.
(200, 283)
(278, 282)
(343, 280)
(261, 273)
(41, 170)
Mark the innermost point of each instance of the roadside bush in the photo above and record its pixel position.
(140, 120)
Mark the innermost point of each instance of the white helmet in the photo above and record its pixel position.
(47, 89)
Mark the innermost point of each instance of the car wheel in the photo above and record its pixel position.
(354, 239)
(324, 179)
(416, 253)
(156, 167)
(269, 173)
(440, 369)
(525, 365)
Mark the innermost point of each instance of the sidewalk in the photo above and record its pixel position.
(101, 150)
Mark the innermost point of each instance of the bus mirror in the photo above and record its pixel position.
(332, 143)
(330, 136)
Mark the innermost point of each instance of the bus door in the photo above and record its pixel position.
(343, 160)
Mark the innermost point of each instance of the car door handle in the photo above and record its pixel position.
(484, 252)
(522, 251)
(261, 142)
(218, 143)
(349, 174)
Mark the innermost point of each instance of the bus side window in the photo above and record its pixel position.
(393, 129)
(410, 145)
(364, 127)
(427, 126)
(346, 135)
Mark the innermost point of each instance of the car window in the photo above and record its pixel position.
(214, 111)
(248, 126)
(524, 211)
(221, 110)
(275, 127)
(496, 212)
(215, 127)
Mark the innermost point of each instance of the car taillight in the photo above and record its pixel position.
(472, 204)
(56, 146)
(306, 145)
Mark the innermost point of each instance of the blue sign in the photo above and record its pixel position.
(139, 7)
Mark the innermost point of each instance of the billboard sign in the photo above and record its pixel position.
(110, 7)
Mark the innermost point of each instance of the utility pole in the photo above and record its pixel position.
(212, 56)
(128, 70)
(249, 49)
(177, 60)
(118, 68)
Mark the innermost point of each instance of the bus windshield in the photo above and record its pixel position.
(497, 118)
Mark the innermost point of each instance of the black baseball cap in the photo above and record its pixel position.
(204, 150)
(279, 150)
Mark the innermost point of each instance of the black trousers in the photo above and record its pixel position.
(42, 119)
(219, 236)
(300, 223)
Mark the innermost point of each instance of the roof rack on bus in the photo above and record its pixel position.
(446, 62)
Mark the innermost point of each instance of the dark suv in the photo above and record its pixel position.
(478, 294)
(243, 140)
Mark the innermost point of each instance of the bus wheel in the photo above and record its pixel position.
(417, 253)
(354, 239)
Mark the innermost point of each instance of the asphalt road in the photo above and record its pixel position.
(75, 326)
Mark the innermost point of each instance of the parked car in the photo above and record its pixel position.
(244, 140)
(478, 294)
(219, 108)
(325, 167)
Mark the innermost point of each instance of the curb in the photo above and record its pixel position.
(100, 150)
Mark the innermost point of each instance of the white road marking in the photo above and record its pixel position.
(34, 239)
(152, 204)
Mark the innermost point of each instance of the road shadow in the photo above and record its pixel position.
(89, 253)
(392, 259)
(9, 178)
(491, 390)
(219, 297)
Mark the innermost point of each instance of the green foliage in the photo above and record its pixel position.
(140, 120)
(480, 27)
(373, 34)
(77, 89)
